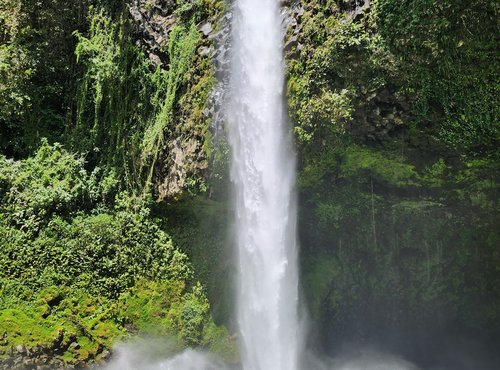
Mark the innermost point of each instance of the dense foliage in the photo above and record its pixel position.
(77, 256)
(81, 253)
(396, 112)
(450, 57)
(74, 73)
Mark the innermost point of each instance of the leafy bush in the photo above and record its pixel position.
(53, 181)
(47, 239)
(76, 255)
(104, 254)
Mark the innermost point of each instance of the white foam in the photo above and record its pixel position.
(263, 173)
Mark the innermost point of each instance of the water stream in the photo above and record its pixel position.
(263, 173)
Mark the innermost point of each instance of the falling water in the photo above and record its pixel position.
(263, 172)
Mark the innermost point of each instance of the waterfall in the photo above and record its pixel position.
(263, 173)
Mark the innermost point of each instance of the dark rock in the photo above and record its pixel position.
(29, 362)
(21, 349)
(106, 355)
(43, 348)
(43, 359)
(293, 12)
(154, 20)
(80, 365)
(205, 51)
(56, 343)
(206, 29)
(54, 301)
(379, 113)
(155, 59)
(291, 43)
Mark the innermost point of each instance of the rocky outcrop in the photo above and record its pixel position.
(355, 8)
(294, 11)
(154, 20)
(182, 159)
(379, 113)
(49, 356)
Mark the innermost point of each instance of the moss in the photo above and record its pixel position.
(321, 273)
(219, 342)
(379, 165)
(150, 309)
(197, 223)
(182, 45)
(27, 326)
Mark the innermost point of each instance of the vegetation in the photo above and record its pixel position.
(103, 111)
(81, 258)
(397, 123)
(450, 62)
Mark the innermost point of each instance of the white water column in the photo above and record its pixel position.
(263, 173)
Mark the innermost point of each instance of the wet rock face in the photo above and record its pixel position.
(356, 9)
(182, 156)
(293, 13)
(36, 359)
(219, 53)
(44, 358)
(379, 113)
(154, 20)
(354, 6)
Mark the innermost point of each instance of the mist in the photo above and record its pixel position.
(155, 354)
